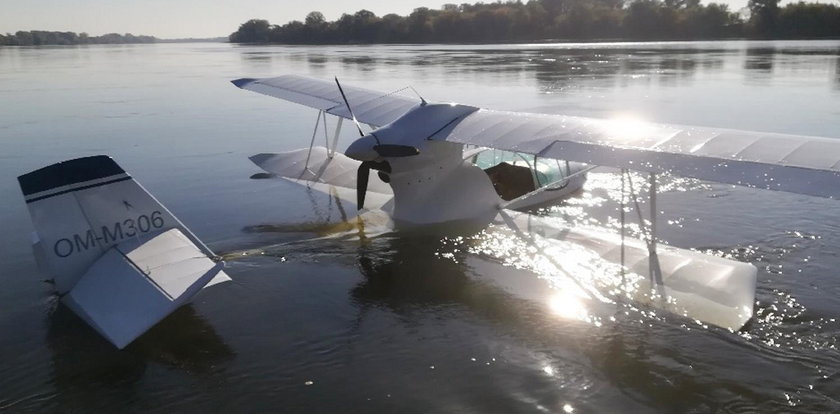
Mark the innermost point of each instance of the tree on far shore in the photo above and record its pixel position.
(42, 37)
(537, 20)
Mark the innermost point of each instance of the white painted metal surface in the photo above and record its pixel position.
(338, 170)
(120, 259)
(438, 186)
(137, 283)
(370, 107)
(78, 222)
(792, 163)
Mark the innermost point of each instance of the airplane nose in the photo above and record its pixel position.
(362, 149)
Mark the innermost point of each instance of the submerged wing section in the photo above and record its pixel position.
(792, 163)
(332, 173)
(317, 165)
(370, 107)
(710, 289)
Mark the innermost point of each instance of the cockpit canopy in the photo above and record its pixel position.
(515, 174)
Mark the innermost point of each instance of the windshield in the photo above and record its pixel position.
(547, 170)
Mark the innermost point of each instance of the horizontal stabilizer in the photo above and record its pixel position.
(137, 283)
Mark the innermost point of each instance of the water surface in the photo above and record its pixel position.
(415, 323)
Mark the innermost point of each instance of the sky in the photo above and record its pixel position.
(191, 18)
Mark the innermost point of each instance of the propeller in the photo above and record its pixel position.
(363, 175)
(383, 150)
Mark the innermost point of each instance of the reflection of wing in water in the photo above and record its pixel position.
(87, 364)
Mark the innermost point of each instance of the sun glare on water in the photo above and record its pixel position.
(568, 305)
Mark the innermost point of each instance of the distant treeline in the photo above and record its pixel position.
(41, 37)
(514, 21)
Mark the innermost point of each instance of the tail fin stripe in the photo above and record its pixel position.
(75, 187)
(68, 173)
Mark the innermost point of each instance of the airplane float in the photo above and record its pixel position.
(123, 262)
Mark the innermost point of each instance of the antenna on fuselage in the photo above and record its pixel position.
(422, 99)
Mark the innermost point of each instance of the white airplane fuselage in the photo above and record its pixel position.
(439, 186)
(435, 184)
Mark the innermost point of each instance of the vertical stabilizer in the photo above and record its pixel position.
(118, 257)
(82, 207)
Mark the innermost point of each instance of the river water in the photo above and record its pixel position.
(414, 323)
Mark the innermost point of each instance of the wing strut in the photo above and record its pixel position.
(649, 236)
(331, 148)
(312, 142)
(655, 269)
(623, 221)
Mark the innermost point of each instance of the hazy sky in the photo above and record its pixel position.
(189, 18)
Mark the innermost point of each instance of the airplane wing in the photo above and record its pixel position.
(792, 163)
(370, 107)
(711, 289)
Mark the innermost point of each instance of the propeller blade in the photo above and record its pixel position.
(349, 109)
(362, 175)
(392, 150)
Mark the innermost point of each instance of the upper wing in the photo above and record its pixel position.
(792, 163)
(370, 107)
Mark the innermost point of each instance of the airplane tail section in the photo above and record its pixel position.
(118, 257)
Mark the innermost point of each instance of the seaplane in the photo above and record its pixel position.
(123, 262)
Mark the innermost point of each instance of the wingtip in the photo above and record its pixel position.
(242, 82)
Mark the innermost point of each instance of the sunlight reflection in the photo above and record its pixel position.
(548, 370)
(579, 258)
(628, 128)
(568, 306)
